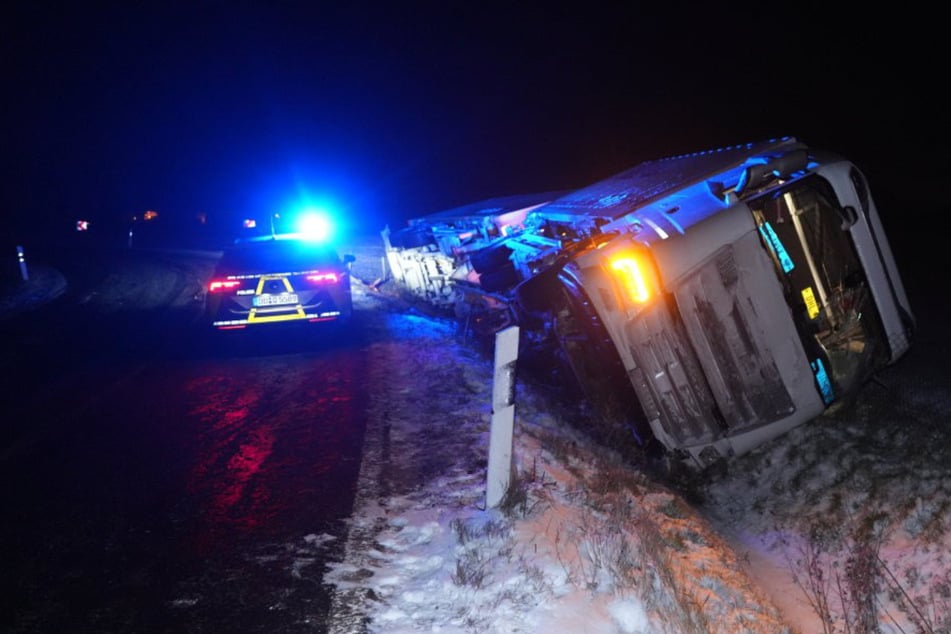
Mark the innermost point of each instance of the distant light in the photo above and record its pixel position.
(82, 225)
(249, 223)
(149, 215)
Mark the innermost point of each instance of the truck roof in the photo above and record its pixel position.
(646, 182)
(492, 207)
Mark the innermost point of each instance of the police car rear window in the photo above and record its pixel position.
(284, 255)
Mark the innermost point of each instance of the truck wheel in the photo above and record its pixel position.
(499, 279)
(599, 372)
(490, 258)
(411, 238)
(538, 294)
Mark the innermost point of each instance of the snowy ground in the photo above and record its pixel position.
(842, 518)
(841, 526)
(587, 544)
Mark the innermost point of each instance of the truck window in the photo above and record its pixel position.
(824, 283)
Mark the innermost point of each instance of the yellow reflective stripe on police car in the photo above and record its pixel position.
(267, 300)
(297, 315)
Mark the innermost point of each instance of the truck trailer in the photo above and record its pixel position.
(709, 302)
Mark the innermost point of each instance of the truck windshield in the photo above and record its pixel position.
(824, 283)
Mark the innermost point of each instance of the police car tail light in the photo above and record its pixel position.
(323, 278)
(223, 286)
(633, 272)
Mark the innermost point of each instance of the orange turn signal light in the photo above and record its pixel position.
(632, 275)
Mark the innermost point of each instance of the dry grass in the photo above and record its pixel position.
(635, 537)
(846, 593)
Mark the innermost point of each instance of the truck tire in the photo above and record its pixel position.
(500, 279)
(599, 372)
(539, 293)
(490, 258)
(411, 238)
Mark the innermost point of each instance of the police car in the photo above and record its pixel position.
(279, 279)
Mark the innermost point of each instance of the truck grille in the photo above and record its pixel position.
(702, 372)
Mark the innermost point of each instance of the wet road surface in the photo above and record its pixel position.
(153, 482)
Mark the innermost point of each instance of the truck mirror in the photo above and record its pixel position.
(849, 216)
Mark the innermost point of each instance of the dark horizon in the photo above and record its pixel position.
(392, 112)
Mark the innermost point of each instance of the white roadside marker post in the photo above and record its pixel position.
(21, 258)
(503, 416)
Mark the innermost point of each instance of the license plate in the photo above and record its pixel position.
(276, 300)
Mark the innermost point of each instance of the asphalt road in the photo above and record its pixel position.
(156, 480)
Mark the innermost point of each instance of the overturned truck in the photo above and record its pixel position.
(709, 302)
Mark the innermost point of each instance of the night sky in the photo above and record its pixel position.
(397, 109)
